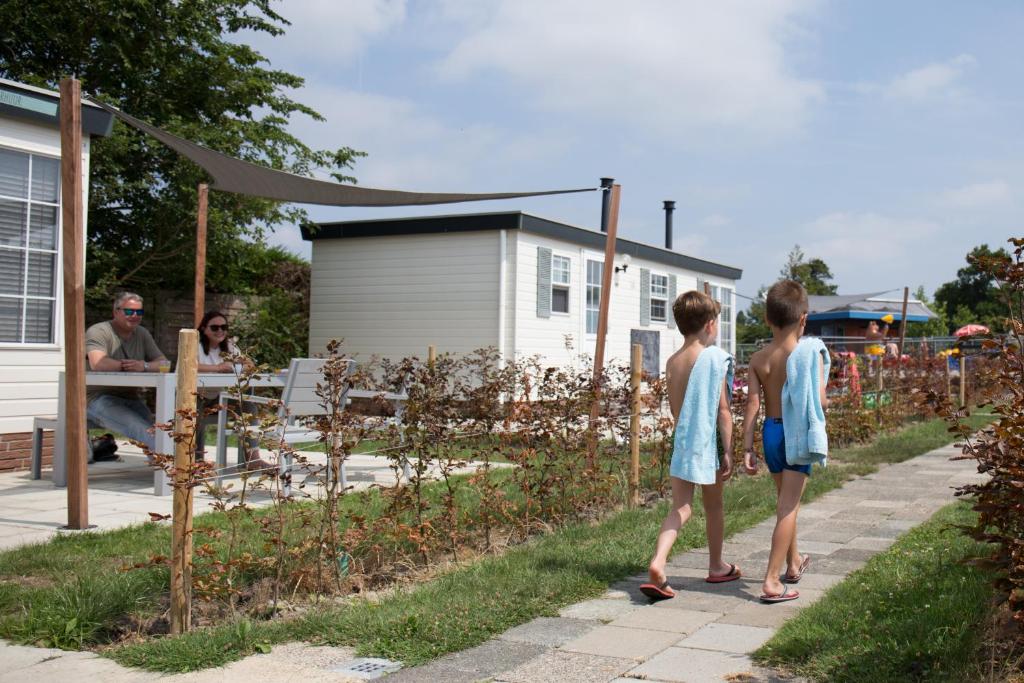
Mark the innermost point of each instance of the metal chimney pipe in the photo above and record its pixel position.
(606, 201)
(670, 207)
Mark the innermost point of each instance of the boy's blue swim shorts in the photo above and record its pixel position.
(775, 448)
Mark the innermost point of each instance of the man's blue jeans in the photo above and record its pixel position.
(127, 416)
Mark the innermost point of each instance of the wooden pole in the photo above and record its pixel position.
(949, 382)
(903, 320)
(431, 356)
(200, 291)
(707, 288)
(184, 453)
(635, 376)
(602, 316)
(73, 241)
(963, 379)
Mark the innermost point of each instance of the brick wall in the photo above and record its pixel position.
(16, 451)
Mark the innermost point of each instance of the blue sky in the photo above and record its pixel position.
(882, 137)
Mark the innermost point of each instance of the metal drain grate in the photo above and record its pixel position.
(368, 668)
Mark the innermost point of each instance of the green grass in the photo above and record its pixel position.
(912, 613)
(77, 594)
(913, 439)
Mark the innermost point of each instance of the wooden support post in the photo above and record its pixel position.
(707, 288)
(635, 377)
(73, 241)
(881, 372)
(200, 290)
(184, 454)
(949, 381)
(602, 317)
(963, 379)
(903, 321)
(431, 356)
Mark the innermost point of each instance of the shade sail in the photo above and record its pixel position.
(243, 177)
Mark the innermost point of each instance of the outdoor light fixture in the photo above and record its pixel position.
(625, 264)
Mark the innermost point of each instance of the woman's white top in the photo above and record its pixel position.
(213, 357)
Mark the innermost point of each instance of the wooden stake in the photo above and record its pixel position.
(949, 381)
(184, 453)
(881, 371)
(73, 241)
(963, 380)
(200, 291)
(602, 316)
(903, 321)
(635, 376)
(431, 356)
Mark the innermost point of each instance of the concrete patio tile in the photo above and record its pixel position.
(766, 616)
(560, 666)
(817, 547)
(701, 601)
(728, 637)
(818, 581)
(854, 554)
(598, 610)
(624, 643)
(870, 543)
(835, 534)
(691, 560)
(482, 662)
(549, 631)
(882, 504)
(673, 621)
(829, 565)
(686, 665)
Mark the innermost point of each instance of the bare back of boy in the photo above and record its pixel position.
(769, 364)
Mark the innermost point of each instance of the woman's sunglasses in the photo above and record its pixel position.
(217, 328)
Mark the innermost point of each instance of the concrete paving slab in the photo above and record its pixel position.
(673, 621)
(765, 616)
(728, 637)
(598, 610)
(870, 543)
(701, 601)
(854, 554)
(687, 665)
(483, 662)
(623, 643)
(549, 631)
(560, 666)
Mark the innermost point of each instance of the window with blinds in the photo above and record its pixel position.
(29, 214)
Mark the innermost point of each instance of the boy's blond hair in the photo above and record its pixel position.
(692, 311)
(786, 303)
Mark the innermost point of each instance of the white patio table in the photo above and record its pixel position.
(166, 384)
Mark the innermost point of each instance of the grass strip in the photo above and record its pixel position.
(912, 613)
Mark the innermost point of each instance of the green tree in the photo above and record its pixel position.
(937, 327)
(814, 274)
(973, 296)
(173, 64)
(751, 325)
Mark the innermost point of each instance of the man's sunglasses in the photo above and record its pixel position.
(132, 311)
(217, 328)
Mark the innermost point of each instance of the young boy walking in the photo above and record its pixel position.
(787, 371)
(699, 389)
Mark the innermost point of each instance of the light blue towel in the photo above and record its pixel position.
(695, 447)
(803, 417)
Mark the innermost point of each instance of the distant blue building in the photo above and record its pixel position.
(848, 315)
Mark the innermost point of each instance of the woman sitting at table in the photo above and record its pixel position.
(217, 353)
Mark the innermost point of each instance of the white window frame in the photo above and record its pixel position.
(567, 285)
(662, 297)
(725, 320)
(588, 288)
(56, 327)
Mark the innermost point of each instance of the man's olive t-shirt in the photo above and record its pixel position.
(139, 346)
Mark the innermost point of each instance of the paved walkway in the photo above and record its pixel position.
(705, 633)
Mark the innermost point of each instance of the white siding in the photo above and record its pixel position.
(28, 373)
(394, 296)
(545, 336)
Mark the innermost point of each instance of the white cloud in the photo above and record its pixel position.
(666, 66)
(327, 32)
(977, 195)
(868, 249)
(939, 79)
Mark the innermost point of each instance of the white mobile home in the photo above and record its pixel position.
(31, 304)
(523, 284)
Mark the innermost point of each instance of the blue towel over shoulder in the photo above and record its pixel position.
(695, 446)
(802, 413)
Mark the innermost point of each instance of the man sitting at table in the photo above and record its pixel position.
(122, 345)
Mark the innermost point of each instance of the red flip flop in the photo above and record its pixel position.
(800, 574)
(662, 592)
(734, 573)
(784, 596)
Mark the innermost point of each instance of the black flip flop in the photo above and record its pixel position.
(662, 592)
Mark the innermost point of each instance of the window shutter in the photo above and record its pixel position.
(543, 282)
(645, 297)
(671, 300)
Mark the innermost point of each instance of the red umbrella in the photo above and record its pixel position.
(968, 330)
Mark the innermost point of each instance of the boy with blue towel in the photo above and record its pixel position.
(699, 389)
(792, 373)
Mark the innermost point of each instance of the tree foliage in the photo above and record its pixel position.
(974, 297)
(173, 64)
(814, 274)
